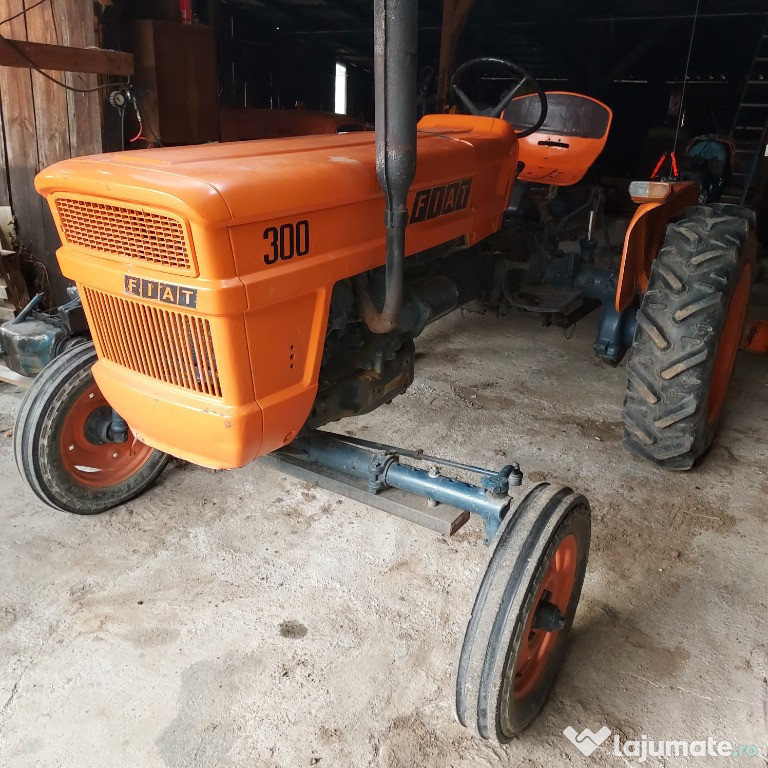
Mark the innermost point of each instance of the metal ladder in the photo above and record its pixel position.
(750, 126)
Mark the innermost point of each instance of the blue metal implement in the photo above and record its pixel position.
(380, 466)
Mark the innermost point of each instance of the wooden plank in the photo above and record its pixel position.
(21, 140)
(443, 518)
(53, 141)
(15, 287)
(45, 123)
(7, 223)
(138, 37)
(50, 99)
(176, 70)
(11, 377)
(187, 84)
(84, 109)
(64, 58)
(648, 41)
(212, 7)
(5, 188)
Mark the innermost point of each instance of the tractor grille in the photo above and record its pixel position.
(126, 233)
(171, 346)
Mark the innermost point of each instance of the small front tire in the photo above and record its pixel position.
(62, 443)
(523, 610)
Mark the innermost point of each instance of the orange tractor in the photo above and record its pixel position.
(241, 296)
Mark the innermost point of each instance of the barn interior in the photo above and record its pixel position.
(260, 617)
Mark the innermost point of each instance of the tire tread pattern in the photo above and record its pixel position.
(679, 324)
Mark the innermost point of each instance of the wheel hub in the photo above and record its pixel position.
(89, 453)
(546, 618)
(96, 427)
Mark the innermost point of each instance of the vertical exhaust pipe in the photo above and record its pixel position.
(395, 43)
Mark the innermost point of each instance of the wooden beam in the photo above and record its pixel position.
(49, 102)
(10, 377)
(44, 123)
(5, 182)
(62, 58)
(455, 14)
(84, 109)
(637, 53)
(21, 142)
(212, 6)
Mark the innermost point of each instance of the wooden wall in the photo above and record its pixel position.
(43, 123)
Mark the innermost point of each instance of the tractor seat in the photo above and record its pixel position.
(570, 140)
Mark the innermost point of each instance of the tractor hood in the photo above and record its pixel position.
(232, 183)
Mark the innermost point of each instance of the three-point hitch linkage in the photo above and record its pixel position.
(374, 474)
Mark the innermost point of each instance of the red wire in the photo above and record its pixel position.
(139, 134)
(674, 165)
(658, 165)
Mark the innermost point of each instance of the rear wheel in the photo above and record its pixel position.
(688, 331)
(64, 445)
(523, 610)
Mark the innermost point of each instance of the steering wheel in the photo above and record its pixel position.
(523, 78)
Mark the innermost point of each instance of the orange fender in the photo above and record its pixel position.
(644, 237)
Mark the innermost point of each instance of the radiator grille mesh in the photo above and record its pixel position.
(125, 232)
(168, 345)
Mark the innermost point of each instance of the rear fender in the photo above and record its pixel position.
(644, 238)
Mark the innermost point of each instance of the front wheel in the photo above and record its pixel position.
(64, 446)
(523, 610)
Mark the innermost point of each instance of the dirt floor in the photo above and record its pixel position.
(244, 619)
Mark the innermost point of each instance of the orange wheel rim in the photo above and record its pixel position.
(538, 644)
(94, 465)
(728, 346)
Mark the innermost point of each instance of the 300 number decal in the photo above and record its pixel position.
(287, 241)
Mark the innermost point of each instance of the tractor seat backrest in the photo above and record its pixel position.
(570, 140)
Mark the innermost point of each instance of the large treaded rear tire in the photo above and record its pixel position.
(50, 446)
(688, 328)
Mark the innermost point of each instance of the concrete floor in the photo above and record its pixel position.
(241, 619)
